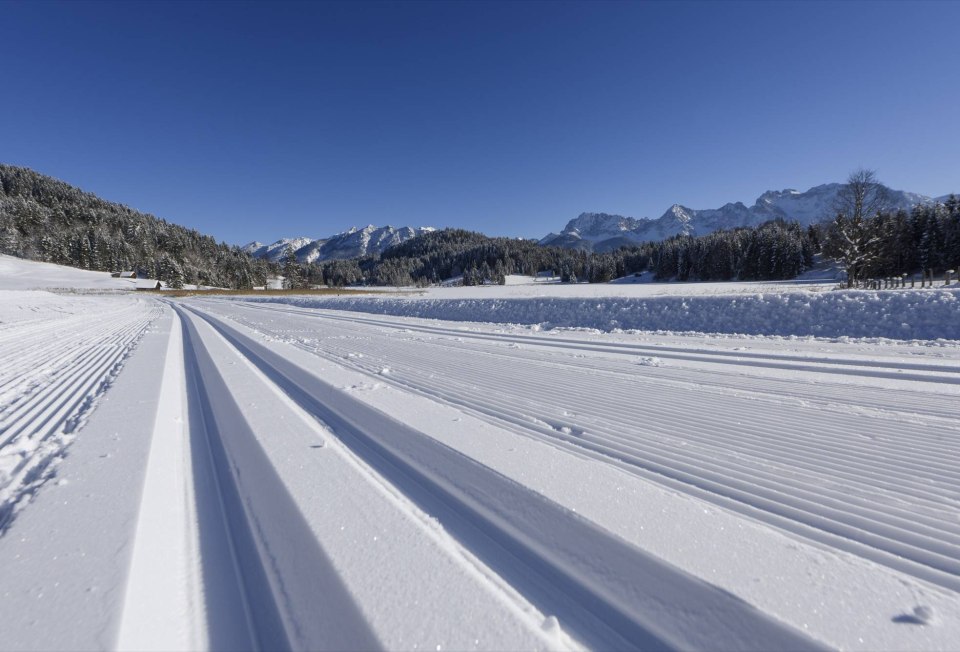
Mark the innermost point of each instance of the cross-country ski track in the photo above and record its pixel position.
(240, 475)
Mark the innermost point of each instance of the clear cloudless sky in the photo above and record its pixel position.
(263, 120)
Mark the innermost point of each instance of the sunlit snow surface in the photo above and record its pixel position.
(791, 308)
(548, 469)
(60, 354)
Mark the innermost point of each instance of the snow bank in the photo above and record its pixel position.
(905, 315)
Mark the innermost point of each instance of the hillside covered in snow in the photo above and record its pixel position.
(47, 220)
(603, 232)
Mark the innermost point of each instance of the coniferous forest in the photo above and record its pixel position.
(890, 244)
(44, 219)
(776, 250)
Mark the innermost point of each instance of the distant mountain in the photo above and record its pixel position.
(354, 243)
(274, 252)
(603, 232)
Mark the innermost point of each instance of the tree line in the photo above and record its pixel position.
(775, 250)
(44, 219)
(871, 241)
(48, 220)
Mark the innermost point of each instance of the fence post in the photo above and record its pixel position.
(946, 276)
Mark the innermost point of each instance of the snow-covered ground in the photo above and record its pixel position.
(19, 274)
(59, 355)
(788, 309)
(226, 473)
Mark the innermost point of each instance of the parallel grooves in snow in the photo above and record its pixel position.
(886, 490)
(938, 372)
(535, 544)
(56, 369)
(851, 453)
(250, 585)
(57, 344)
(250, 609)
(907, 401)
(46, 408)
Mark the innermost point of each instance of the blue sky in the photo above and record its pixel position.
(256, 121)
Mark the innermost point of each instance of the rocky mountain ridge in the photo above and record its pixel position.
(353, 243)
(605, 232)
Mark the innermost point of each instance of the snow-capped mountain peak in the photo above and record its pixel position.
(604, 232)
(352, 243)
(599, 225)
(771, 196)
(678, 218)
(274, 251)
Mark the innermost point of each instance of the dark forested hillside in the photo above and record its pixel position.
(440, 255)
(776, 250)
(889, 243)
(44, 219)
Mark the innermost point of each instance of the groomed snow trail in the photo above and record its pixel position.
(853, 451)
(855, 466)
(56, 366)
(616, 597)
(286, 540)
(277, 477)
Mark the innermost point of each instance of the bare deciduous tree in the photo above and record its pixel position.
(851, 240)
(862, 196)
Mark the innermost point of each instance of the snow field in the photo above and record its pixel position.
(789, 467)
(56, 367)
(17, 274)
(901, 315)
(65, 558)
(277, 475)
(619, 598)
(856, 461)
(373, 572)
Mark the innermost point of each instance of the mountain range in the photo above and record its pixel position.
(604, 232)
(354, 243)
